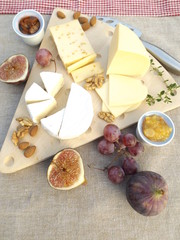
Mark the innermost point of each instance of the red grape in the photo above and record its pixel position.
(44, 57)
(112, 133)
(116, 174)
(129, 140)
(105, 147)
(129, 166)
(137, 149)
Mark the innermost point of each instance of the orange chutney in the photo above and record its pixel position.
(156, 129)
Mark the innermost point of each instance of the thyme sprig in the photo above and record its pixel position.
(164, 95)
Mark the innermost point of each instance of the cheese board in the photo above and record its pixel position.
(100, 35)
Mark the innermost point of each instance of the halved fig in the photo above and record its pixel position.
(66, 170)
(15, 69)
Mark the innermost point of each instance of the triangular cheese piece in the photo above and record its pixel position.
(36, 94)
(40, 110)
(52, 81)
(78, 114)
(103, 93)
(52, 123)
(126, 90)
(127, 54)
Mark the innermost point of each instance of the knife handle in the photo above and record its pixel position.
(167, 61)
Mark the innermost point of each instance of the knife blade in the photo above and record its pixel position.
(169, 62)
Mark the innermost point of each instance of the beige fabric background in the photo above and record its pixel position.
(30, 209)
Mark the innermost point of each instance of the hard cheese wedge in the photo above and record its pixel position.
(126, 90)
(78, 113)
(81, 63)
(52, 123)
(103, 93)
(118, 110)
(36, 94)
(53, 82)
(87, 71)
(127, 54)
(71, 42)
(40, 110)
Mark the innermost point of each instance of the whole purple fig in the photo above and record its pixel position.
(147, 193)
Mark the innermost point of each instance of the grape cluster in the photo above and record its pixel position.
(125, 145)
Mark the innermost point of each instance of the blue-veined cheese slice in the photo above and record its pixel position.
(125, 90)
(52, 123)
(52, 81)
(127, 54)
(78, 113)
(35, 93)
(39, 110)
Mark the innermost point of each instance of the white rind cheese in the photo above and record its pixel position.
(52, 81)
(78, 113)
(40, 110)
(126, 90)
(36, 94)
(52, 123)
(87, 71)
(71, 42)
(127, 54)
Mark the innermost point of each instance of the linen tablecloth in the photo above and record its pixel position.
(31, 210)
(97, 7)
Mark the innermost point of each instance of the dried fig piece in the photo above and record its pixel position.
(15, 69)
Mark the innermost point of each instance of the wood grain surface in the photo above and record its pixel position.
(12, 159)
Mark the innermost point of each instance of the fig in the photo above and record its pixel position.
(66, 170)
(147, 193)
(15, 69)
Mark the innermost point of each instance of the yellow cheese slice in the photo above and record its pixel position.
(71, 42)
(81, 63)
(127, 54)
(117, 110)
(103, 93)
(125, 90)
(87, 71)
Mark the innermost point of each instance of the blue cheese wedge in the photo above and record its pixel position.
(71, 42)
(52, 123)
(52, 81)
(35, 93)
(78, 113)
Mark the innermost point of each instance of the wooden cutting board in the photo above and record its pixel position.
(12, 159)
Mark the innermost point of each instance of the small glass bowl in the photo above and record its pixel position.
(140, 135)
(33, 39)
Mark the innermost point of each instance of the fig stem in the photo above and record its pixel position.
(159, 192)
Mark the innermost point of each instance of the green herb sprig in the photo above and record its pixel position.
(164, 95)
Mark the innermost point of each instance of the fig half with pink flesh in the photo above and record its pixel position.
(15, 69)
(147, 193)
(66, 170)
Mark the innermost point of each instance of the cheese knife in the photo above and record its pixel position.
(164, 58)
